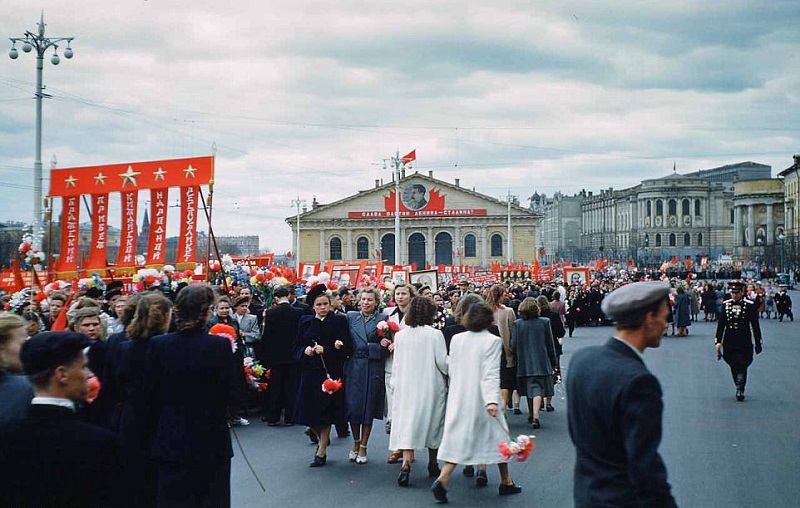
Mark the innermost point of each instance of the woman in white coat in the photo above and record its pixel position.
(420, 390)
(474, 424)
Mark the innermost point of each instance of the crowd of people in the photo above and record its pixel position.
(441, 367)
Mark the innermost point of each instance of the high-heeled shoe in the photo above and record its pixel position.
(405, 472)
(481, 480)
(433, 470)
(319, 461)
(361, 459)
(439, 492)
(509, 489)
(352, 456)
(395, 457)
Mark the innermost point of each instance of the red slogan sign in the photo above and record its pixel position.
(126, 261)
(158, 227)
(70, 234)
(186, 240)
(97, 254)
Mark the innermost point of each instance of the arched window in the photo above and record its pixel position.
(659, 207)
(646, 240)
(687, 240)
(649, 208)
(697, 207)
(686, 208)
(416, 250)
(658, 239)
(672, 240)
(387, 249)
(336, 249)
(699, 239)
(362, 248)
(470, 247)
(443, 249)
(497, 245)
(673, 207)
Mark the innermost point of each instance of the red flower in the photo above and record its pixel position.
(260, 277)
(94, 389)
(393, 326)
(331, 386)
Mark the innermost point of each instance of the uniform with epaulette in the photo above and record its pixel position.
(737, 330)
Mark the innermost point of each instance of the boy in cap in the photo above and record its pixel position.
(737, 330)
(615, 406)
(58, 459)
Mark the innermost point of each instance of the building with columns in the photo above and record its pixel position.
(441, 223)
(561, 226)
(759, 220)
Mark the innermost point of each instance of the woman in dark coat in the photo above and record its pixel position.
(682, 311)
(709, 302)
(557, 327)
(321, 347)
(532, 341)
(138, 479)
(365, 391)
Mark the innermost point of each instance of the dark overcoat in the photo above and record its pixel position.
(365, 390)
(614, 416)
(737, 328)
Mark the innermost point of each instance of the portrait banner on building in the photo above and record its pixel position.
(97, 254)
(157, 244)
(70, 235)
(186, 257)
(126, 261)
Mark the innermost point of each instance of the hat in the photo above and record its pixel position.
(315, 292)
(94, 292)
(48, 350)
(281, 292)
(240, 300)
(735, 285)
(344, 291)
(114, 288)
(632, 298)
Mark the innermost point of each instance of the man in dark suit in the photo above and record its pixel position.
(189, 382)
(615, 406)
(53, 458)
(737, 331)
(277, 341)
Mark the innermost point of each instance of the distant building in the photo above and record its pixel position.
(561, 226)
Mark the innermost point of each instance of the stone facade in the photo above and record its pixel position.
(561, 226)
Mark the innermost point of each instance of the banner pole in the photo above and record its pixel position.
(211, 236)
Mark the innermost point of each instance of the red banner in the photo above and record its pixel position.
(126, 262)
(97, 254)
(158, 228)
(70, 235)
(186, 240)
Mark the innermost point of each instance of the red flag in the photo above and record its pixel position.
(536, 266)
(19, 284)
(410, 156)
(35, 278)
(60, 324)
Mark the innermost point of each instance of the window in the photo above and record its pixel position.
(659, 207)
(646, 240)
(686, 208)
(362, 248)
(336, 249)
(687, 240)
(387, 249)
(658, 239)
(699, 239)
(470, 250)
(416, 251)
(697, 207)
(732, 216)
(497, 245)
(672, 240)
(649, 208)
(443, 249)
(673, 207)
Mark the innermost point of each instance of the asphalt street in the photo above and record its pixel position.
(718, 452)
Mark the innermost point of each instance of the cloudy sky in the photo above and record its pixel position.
(306, 98)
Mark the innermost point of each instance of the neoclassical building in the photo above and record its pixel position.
(759, 219)
(441, 223)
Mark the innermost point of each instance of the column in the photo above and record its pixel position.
(457, 245)
(770, 224)
(348, 250)
(402, 249)
(430, 247)
(483, 247)
(664, 210)
(751, 228)
(376, 244)
(322, 256)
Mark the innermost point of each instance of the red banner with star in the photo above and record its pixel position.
(97, 254)
(70, 236)
(161, 174)
(157, 245)
(186, 240)
(126, 261)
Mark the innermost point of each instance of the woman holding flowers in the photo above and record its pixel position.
(474, 425)
(321, 347)
(365, 394)
(420, 390)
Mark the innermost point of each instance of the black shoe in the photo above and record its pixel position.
(517, 411)
(433, 470)
(739, 394)
(402, 480)
(535, 424)
(439, 492)
(288, 424)
(319, 461)
(272, 424)
(480, 479)
(507, 490)
(309, 432)
(469, 471)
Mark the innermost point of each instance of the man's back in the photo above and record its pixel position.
(614, 412)
(280, 331)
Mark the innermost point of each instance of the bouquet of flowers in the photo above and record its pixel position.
(521, 447)
(331, 386)
(226, 331)
(387, 329)
(255, 374)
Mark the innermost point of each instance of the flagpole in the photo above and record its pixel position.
(397, 208)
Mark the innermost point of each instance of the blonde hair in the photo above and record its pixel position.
(8, 323)
(150, 318)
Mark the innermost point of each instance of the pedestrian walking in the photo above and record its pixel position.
(737, 331)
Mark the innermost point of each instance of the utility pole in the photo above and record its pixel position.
(298, 203)
(41, 44)
(509, 234)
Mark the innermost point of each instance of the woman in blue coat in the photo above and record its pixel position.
(365, 391)
(321, 347)
(682, 311)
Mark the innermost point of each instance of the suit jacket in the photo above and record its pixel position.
(55, 459)
(249, 329)
(280, 331)
(190, 379)
(614, 415)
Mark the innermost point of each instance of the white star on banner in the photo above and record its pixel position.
(190, 171)
(100, 179)
(159, 174)
(70, 181)
(129, 177)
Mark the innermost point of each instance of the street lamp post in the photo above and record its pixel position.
(781, 242)
(41, 44)
(299, 203)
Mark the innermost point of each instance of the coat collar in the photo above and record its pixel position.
(624, 349)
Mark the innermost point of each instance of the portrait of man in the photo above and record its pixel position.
(414, 196)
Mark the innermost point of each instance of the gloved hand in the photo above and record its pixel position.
(758, 348)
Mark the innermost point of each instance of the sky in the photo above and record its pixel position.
(307, 98)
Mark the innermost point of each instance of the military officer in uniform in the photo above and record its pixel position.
(737, 330)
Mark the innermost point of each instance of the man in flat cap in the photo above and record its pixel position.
(737, 330)
(615, 406)
(54, 458)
